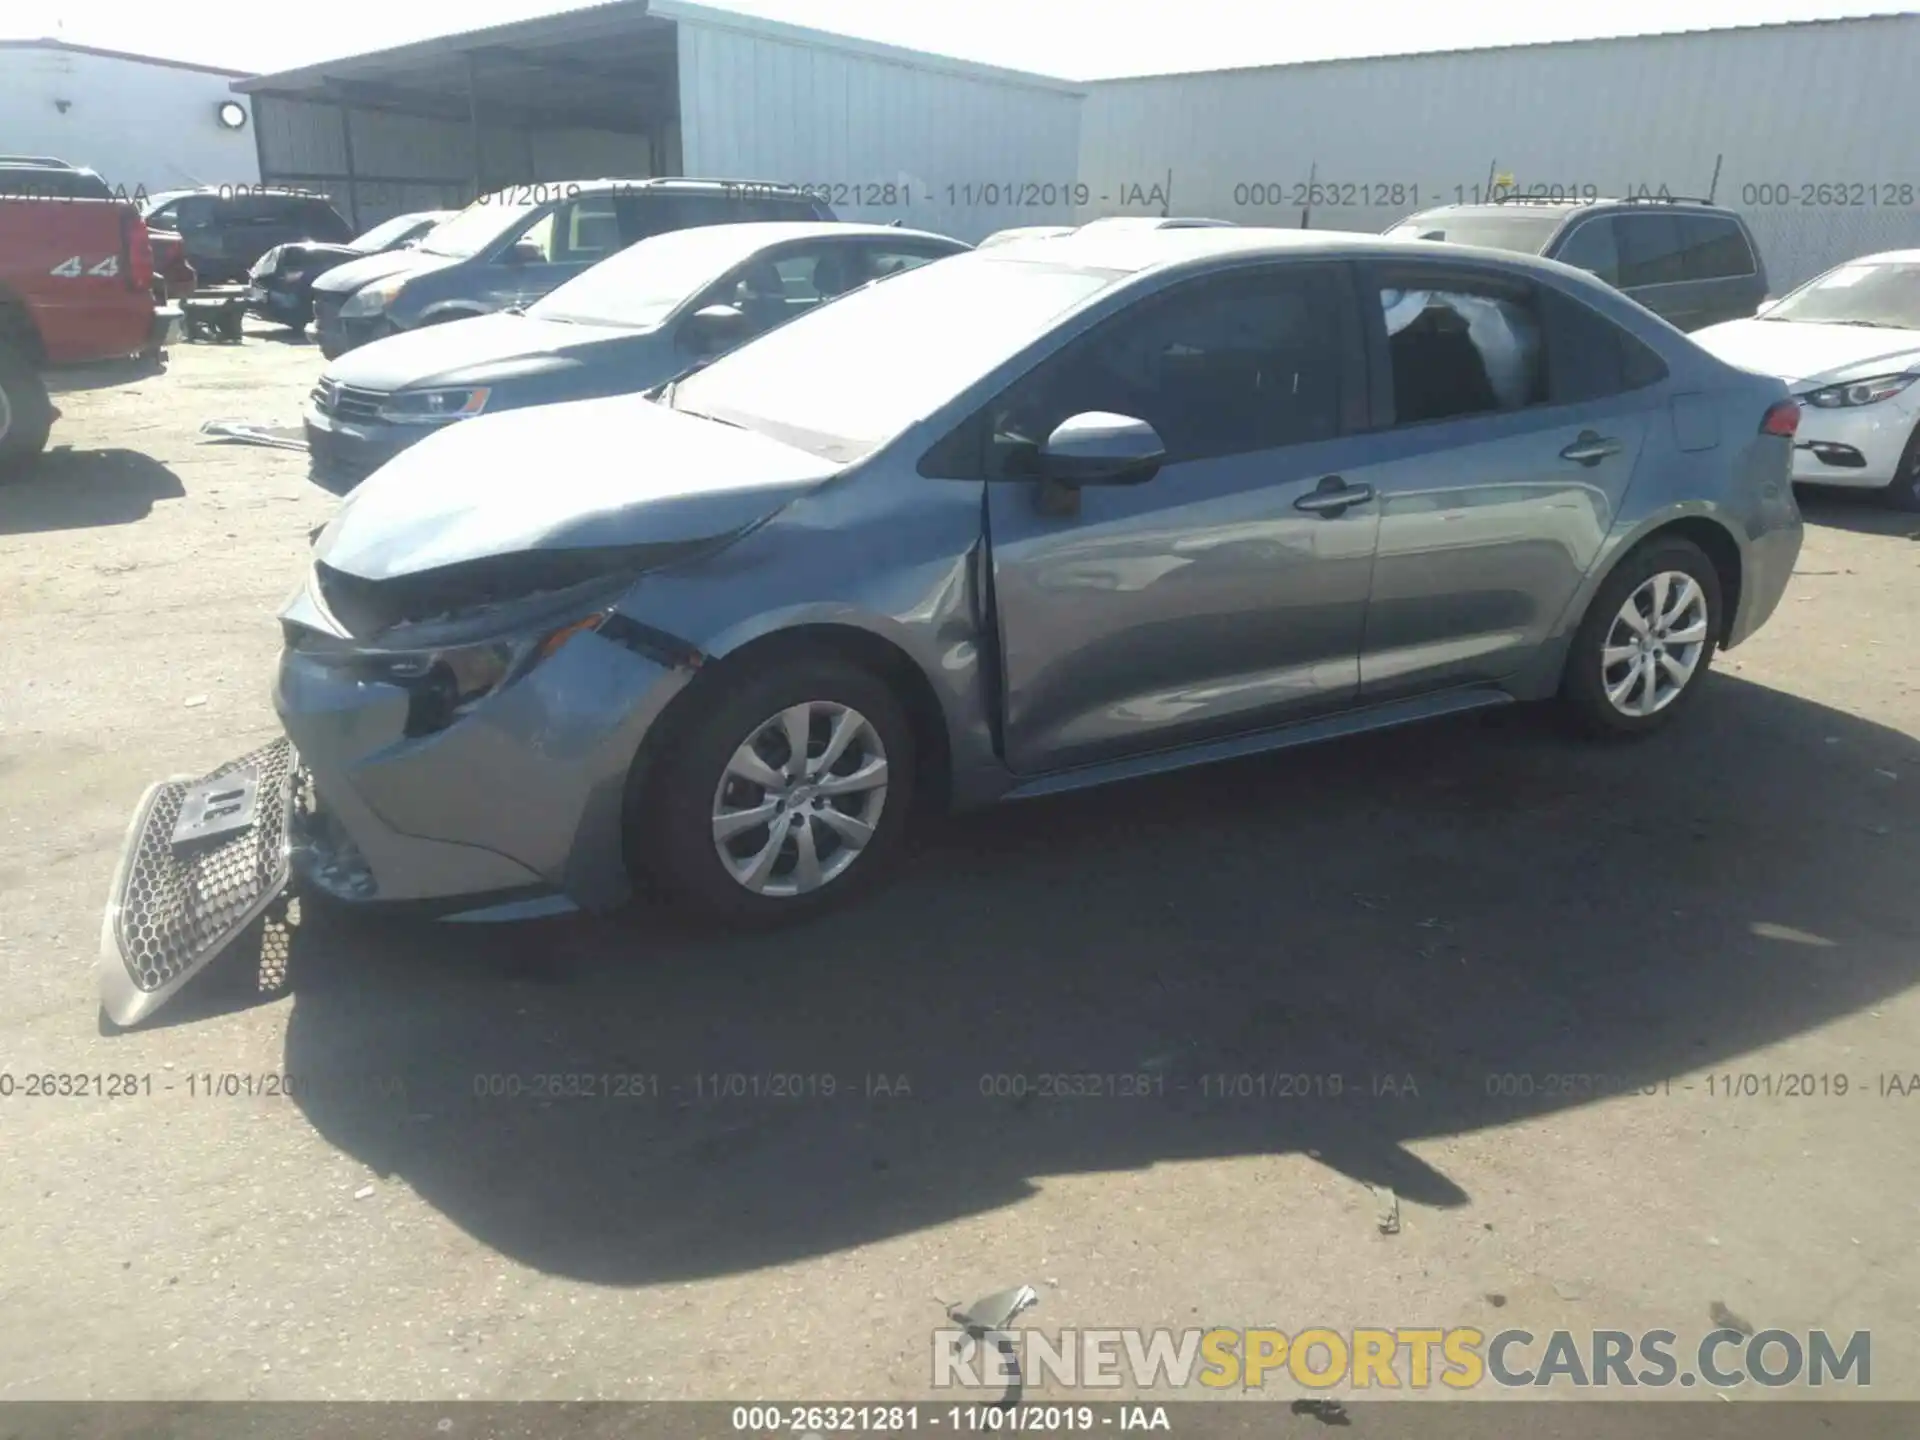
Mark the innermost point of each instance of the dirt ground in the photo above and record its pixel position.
(1470, 910)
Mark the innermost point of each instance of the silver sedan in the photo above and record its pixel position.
(1043, 516)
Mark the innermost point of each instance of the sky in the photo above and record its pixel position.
(1077, 39)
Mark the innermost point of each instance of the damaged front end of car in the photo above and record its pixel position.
(464, 686)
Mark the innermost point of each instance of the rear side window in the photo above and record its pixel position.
(1650, 248)
(885, 260)
(1458, 348)
(1588, 356)
(1713, 247)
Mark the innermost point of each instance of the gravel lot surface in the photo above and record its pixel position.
(1483, 928)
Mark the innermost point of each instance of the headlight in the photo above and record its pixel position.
(446, 684)
(372, 299)
(429, 407)
(1860, 392)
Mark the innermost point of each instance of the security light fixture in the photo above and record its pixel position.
(233, 115)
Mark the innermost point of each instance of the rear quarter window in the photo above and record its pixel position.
(1713, 247)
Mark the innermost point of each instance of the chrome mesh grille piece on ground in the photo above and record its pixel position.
(172, 910)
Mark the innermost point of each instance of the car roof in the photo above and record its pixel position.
(1131, 250)
(1564, 207)
(1884, 257)
(748, 235)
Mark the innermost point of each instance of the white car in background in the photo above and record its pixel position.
(1848, 345)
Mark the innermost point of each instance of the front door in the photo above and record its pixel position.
(1204, 601)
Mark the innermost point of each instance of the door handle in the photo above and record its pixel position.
(1591, 448)
(1332, 496)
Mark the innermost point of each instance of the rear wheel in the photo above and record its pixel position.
(1904, 492)
(1647, 639)
(26, 410)
(787, 793)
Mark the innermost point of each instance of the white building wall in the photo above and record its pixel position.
(884, 134)
(139, 123)
(1794, 107)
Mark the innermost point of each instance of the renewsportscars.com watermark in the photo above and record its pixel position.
(1395, 1359)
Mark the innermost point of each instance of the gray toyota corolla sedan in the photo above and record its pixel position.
(1037, 517)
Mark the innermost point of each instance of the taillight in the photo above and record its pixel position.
(1782, 419)
(136, 250)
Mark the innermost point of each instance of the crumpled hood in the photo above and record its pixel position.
(589, 474)
(347, 278)
(1804, 354)
(450, 351)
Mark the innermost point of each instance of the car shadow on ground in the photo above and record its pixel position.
(1863, 512)
(104, 375)
(67, 489)
(1402, 936)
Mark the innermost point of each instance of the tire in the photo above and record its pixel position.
(26, 411)
(1585, 683)
(1904, 492)
(675, 828)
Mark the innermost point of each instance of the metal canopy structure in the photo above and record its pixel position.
(608, 67)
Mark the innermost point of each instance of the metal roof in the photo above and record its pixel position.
(618, 61)
(1698, 32)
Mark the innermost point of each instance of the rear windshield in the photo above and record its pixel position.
(34, 182)
(1520, 231)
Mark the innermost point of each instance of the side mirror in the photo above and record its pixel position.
(1097, 448)
(712, 329)
(1765, 305)
(525, 252)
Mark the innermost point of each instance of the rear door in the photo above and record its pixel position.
(1651, 270)
(1510, 416)
(1208, 600)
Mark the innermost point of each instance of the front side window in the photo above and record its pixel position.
(1591, 247)
(1458, 350)
(1219, 367)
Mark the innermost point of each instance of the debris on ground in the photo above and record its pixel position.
(248, 432)
(1327, 1412)
(1386, 1210)
(1726, 1319)
(988, 1319)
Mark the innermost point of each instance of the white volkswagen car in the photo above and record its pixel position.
(1848, 345)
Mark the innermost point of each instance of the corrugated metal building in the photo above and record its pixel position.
(1804, 124)
(632, 89)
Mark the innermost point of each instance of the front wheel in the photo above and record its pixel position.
(785, 794)
(1904, 492)
(1647, 639)
(26, 410)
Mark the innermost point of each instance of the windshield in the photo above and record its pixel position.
(1526, 234)
(476, 227)
(1877, 295)
(842, 380)
(641, 285)
(386, 233)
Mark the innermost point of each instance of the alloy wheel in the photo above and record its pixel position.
(800, 799)
(1655, 644)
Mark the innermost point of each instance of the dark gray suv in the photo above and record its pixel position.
(1691, 263)
(508, 249)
